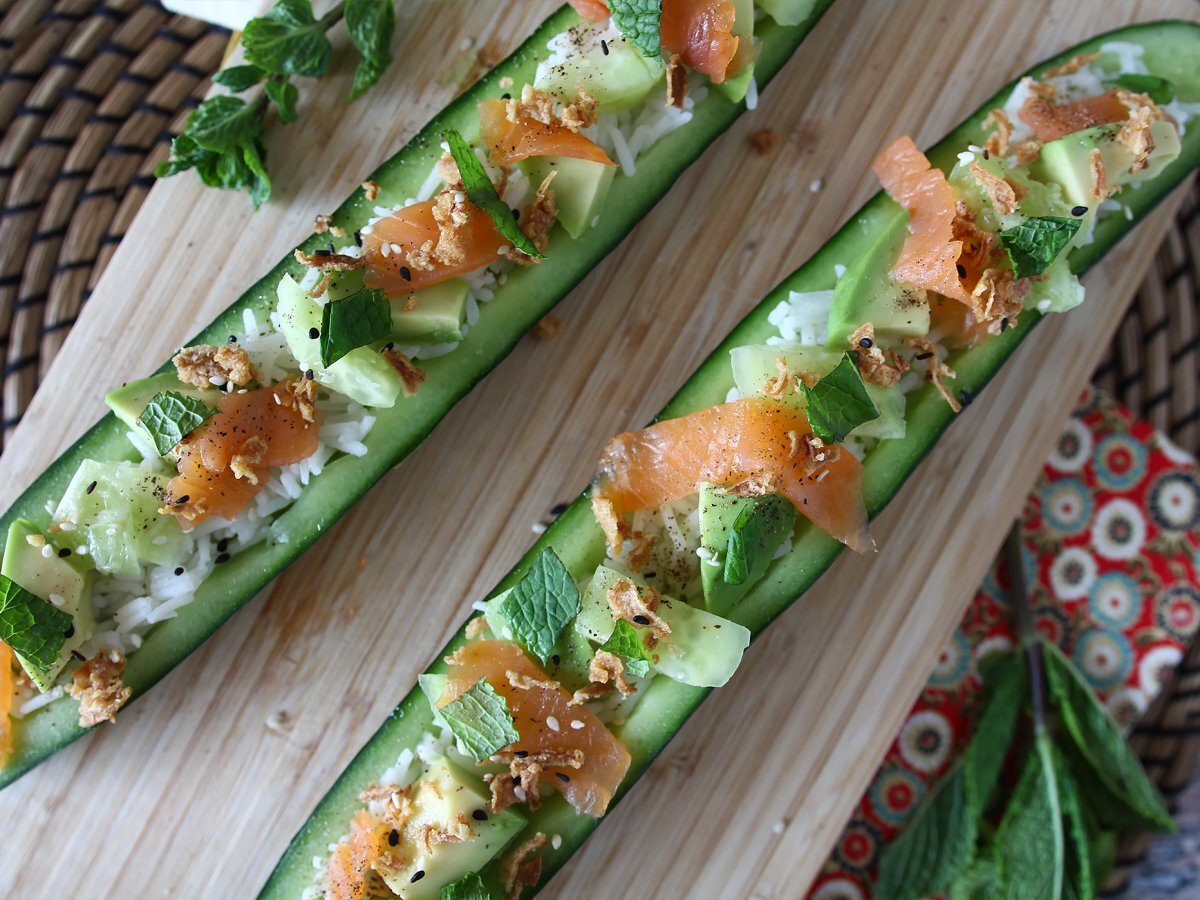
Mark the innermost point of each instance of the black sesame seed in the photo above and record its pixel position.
(221, 558)
(1079, 210)
(558, 509)
(332, 251)
(641, 620)
(233, 339)
(923, 356)
(222, 545)
(604, 47)
(562, 776)
(70, 632)
(516, 214)
(405, 274)
(986, 155)
(417, 876)
(390, 345)
(358, 238)
(64, 553)
(555, 659)
(506, 96)
(179, 570)
(79, 656)
(479, 815)
(314, 333)
(393, 837)
(866, 343)
(962, 273)
(308, 373)
(965, 397)
(182, 500)
(1004, 324)
(91, 487)
(521, 754)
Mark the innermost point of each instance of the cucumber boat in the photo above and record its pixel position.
(214, 473)
(702, 528)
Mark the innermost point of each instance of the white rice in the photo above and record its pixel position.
(803, 318)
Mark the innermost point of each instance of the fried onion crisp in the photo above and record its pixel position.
(608, 668)
(248, 459)
(329, 262)
(938, 370)
(299, 394)
(1072, 65)
(205, 365)
(410, 375)
(519, 870)
(874, 366)
(676, 82)
(628, 603)
(98, 687)
(1000, 191)
(997, 142)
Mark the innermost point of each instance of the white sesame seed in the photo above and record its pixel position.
(366, 229)
(66, 526)
(386, 250)
(816, 184)
(459, 197)
(538, 528)
(56, 599)
(552, 723)
(778, 827)
(520, 793)
(824, 474)
(47, 551)
(504, 250)
(216, 380)
(397, 249)
(556, 841)
(576, 724)
(704, 553)
(82, 550)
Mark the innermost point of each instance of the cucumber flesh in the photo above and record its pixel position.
(526, 297)
(1170, 49)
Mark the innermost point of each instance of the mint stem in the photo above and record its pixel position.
(332, 17)
(1030, 641)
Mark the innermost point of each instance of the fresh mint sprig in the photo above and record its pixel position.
(482, 193)
(626, 643)
(223, 137)
(1034, 244)
(541, 604)
(838, 403)
(469, 887)
(170, 416)
(641, 22)
(480, 719)
(352, 322)
(1160, 90)
(34, 628)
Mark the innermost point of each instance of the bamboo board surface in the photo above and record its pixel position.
(199, 787)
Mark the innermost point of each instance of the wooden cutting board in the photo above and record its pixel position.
(198, 789)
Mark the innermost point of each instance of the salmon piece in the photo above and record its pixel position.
(1051, 121)
(206, 483)
(410, 229)
(701, 32)
(509, 142)
(930, 255)
(727, 444)
(589, 788)
(8, 685)
(591, 10)
(351, 858)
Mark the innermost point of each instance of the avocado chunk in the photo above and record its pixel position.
(113, 510)
(736, 86)
(129, 401)
(45, 577)
(787, 12)
(702, 649)
(867, 293)
(445, 796)
(616, 74)
(437, 317)
(764, 524)
(362, 374)
(1068, 161)
(580, 188)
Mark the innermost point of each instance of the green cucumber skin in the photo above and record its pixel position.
(535, 290)
(579, 543)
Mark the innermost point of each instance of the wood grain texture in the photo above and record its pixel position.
(199, 787)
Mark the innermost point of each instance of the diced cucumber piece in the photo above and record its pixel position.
(755, 365)
(702, 650)
(437, 317)
(1057, 291)
(362, 374)
(618, 79)
(48, 576)
(767, 525)
(867, 293)
(889, 425)
(1035, 198)
(113, 509)
(787, 12)
(580, 187)
(444, 796)
(129, 400)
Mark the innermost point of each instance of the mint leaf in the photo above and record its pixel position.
(541, 605)
(258, 184)
(744, 533)
(483, 194)
(170, 416)
(1099, 741)
(1078, 880)
(352, 322)
(977, 881)
(1007, 683)
(285, 95)
(222, 141)
(224, 123)
(1029, 843)
(34, 628)
(239, 78)
(469, 887)
(1159, 89)
(640, 21)
(626, 643)
(480, 719)
(1034, 244)
(288, 40)
(839, 403)
(370, 24)
(936, 846)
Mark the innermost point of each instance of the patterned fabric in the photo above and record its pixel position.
(1111, 535)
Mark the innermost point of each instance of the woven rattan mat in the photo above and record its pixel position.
(90, 94)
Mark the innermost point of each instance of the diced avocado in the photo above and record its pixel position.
(770, 521)
(437, 317)
(615, 74)
(1057, 291)
(129, 400)
(702, 649)
(867, 293)
(45, 576)
(736, 86)
(1035, 198)
(1068, 161)
(113, 509)
(362, 374)
(446, 797)
(580, 188)
(787, 12)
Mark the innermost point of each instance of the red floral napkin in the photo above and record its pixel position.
(1111, 535)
